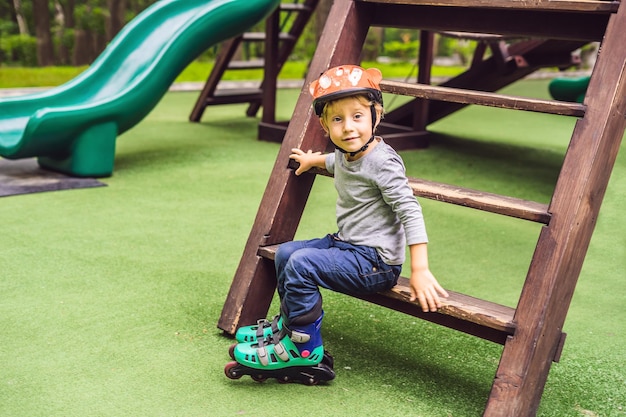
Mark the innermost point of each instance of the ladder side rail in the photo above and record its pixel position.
(270, 74)
(560, 251)
(285, 196)
(285, 48)
(227, 52)
(296, 30)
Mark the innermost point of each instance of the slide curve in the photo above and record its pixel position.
(73, 128)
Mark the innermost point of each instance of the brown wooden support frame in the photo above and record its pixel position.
(533, 336)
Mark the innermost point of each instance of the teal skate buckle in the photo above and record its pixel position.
(278, 348)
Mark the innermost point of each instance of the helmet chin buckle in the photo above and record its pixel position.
(355, 153)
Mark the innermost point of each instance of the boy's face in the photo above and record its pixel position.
(348, 122)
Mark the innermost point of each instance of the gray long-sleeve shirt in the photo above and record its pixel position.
(375, 204)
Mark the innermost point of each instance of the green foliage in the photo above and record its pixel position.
(396, 43)
(65, 40)
(90, 18)
(19, 49)
(305, 47)
(462, 48)
(402, 50)
(7, 28)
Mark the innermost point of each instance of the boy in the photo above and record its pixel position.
(377, 216)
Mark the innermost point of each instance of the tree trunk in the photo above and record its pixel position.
(84, 43)
(67, 6)
(83, 47)
(21, 22)
(116, 20)
(321, 14)
(45, 48)
(59, 17)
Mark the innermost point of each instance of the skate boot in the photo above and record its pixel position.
(262, 330)
(295, 354)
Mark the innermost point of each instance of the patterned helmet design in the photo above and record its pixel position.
(345, 81)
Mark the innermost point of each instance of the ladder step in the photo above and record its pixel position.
(489, 320)
(591, 6)
(480, 200)
(241, 65)
(457, 95)
(467, 197)
(234, 96)
(260, 36)
(295, 7)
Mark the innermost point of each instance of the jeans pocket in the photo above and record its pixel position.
(381, 278)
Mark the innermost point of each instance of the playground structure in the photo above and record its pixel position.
(73, 128)
(532, 331)
(498, 60)
(278, 45)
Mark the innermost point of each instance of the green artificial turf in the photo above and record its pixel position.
(111, 295)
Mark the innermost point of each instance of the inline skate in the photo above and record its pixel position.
(294, 354)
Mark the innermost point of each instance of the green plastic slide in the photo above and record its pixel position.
(73, 128)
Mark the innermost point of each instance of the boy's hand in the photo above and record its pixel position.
(307, 160)
(426, 290)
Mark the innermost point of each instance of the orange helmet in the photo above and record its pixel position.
(345, 81)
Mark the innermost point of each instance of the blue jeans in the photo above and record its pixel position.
(304, 266)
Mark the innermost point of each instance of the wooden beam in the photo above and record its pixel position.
(523, 22)
(457, 95)
(587, 6)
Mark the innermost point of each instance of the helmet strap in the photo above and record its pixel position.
(355, 153)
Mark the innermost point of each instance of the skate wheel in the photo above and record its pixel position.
(231, 371)
(258, 378)
(231, 351)
(283, 380)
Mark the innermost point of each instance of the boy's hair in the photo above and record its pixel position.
(365, 100)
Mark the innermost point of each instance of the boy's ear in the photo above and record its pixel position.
(324, 125)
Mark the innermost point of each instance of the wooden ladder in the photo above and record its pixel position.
(532, 332)
(278, 45)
